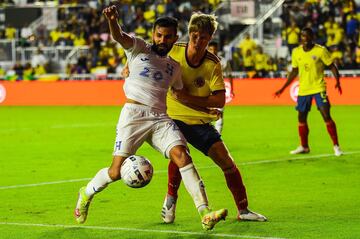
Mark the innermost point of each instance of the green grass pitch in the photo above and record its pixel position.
(48, 153)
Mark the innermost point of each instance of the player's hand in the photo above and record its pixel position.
(216, 112)
(180, 95)
(278, 93)
(125, 72)
(338, 87)
(111, 13)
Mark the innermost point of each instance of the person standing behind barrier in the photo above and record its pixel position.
(247, 44)
(292, 36)
(309, 61)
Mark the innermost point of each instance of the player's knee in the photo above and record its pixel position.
(229, 166)
(221, 156)
(226, 163)
(180, 156)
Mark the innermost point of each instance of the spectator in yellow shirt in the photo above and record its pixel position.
(10, 32)
(249, 61)
(271, 67)
(28, 72)
(337, 56)
(260, 62)
(357, 56)
(247, 44)
(335, 38)
(39, 70)
(292, 36)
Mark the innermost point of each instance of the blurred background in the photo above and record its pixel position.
(69, 40)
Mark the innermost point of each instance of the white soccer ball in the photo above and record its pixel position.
(136, 171)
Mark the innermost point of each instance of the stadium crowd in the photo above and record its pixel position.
(336, 24)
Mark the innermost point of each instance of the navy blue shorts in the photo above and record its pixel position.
(304, 102)
(201, 136)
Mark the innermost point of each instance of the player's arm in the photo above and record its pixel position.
(178, 88)
(118, 35)
(193, 105)
(294, 72)
(336, 74)
(215, 100)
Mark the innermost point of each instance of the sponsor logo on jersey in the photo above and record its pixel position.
(199, 82)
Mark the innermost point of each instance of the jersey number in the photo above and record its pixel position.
(156, 76)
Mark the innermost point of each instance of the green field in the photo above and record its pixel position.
(48, 153)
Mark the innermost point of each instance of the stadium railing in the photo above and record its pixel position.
(58, 55)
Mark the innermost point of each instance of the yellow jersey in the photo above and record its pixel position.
(248, 61)
(199, 80)
(292, 35)
(311, 66)
(247, 44)
(260, 61)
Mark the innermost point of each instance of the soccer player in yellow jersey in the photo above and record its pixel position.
(309, 61)
(192, 111)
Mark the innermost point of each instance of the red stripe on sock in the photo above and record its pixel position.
(174, 179)
(236, 186)
(331, 128)
(304, 134)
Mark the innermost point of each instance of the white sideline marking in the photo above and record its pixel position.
(134, 230)
(44, 183)
(59, 126)
(165, 171)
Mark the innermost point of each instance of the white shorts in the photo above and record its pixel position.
(139, 123)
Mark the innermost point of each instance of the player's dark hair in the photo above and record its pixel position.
(308, 31)
(166, 22)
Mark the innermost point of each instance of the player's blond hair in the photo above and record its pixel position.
(200, 22)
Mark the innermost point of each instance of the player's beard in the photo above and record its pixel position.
(160, 49)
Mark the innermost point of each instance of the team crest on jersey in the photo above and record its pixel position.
(313, 57)
(199, 82)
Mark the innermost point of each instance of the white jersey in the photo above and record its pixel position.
(150, 75)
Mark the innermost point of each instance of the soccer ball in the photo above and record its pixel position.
(136, 171)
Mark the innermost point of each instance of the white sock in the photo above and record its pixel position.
(98, 183)
(194, 185)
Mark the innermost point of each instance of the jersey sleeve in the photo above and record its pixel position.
(326, 57)
(217, 80)
(139, 45)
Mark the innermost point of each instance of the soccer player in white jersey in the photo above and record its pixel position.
(144, 118)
